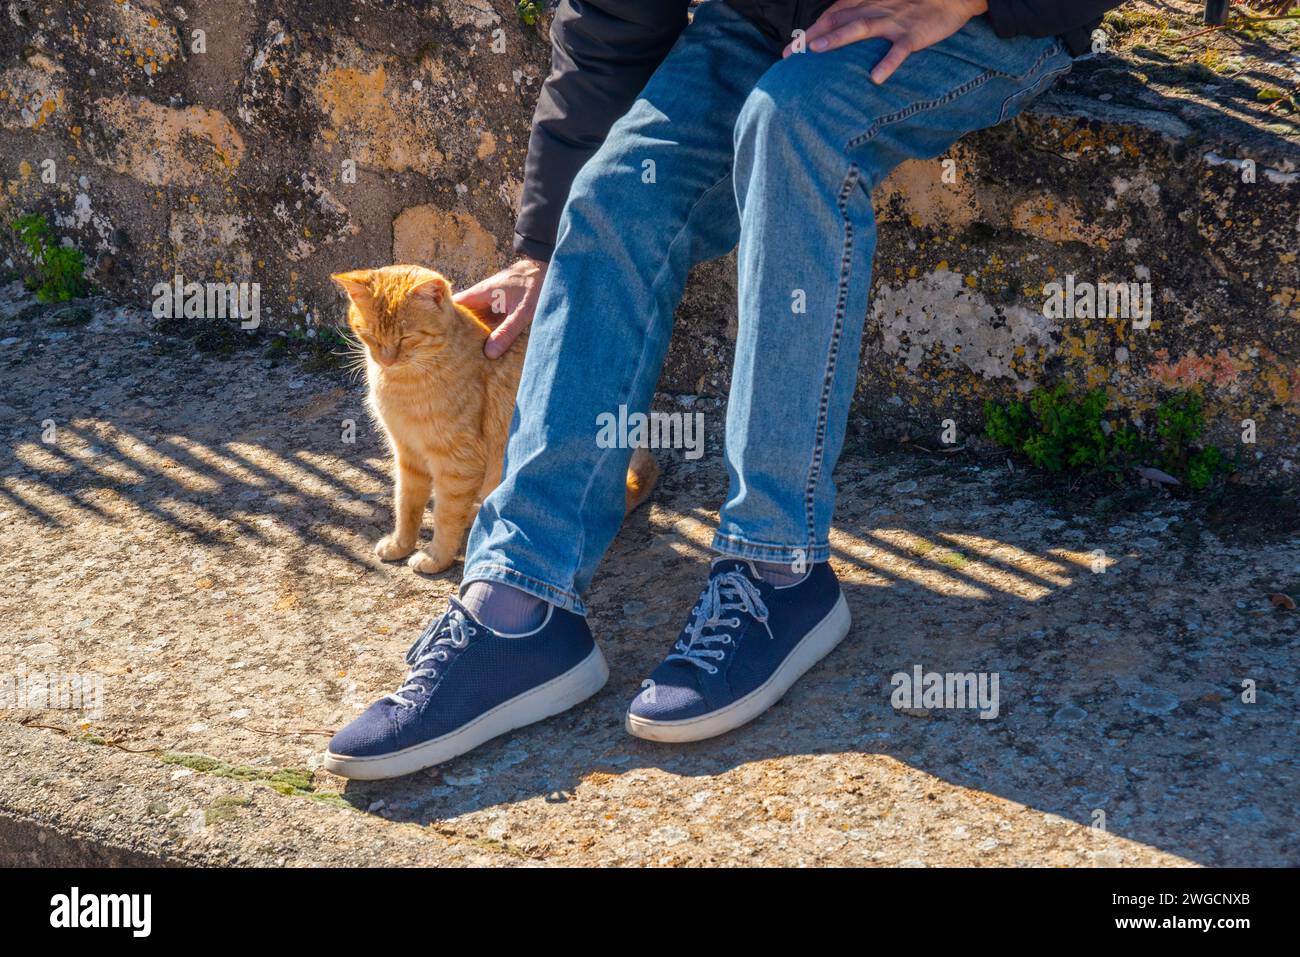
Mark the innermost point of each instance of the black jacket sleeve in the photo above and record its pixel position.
(1047, 18)
(603, 52)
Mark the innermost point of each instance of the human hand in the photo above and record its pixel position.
(909, 25)
(507, 299)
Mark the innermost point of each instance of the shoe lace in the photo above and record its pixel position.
(726, 597)
(451, 632)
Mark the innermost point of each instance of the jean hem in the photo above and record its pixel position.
(505, 575)
(732, 546)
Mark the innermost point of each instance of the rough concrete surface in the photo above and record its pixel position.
(196, 535)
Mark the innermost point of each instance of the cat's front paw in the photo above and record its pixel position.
(390, 549)
(428, 564)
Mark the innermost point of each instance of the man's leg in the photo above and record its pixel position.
(654, 200)
(813, 140)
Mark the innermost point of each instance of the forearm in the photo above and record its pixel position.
(603, 52)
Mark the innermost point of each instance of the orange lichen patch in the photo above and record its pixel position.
(928, 202)
(30, 94)
(456, 241)
(1077, 138)
(164, 146)
(1096, 376)
(1048, 218)
(1218, 370)
(1289, 300)
(379, 131)
(141, 32)
(1280, 377)
(1284, 387)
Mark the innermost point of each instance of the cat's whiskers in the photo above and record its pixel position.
(355, 356)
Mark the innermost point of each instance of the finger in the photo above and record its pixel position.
(504, 335)
(833, 19)
(899, 52)
(835, 16)
(477, 296)
(859, 29)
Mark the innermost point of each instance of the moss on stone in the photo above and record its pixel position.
(224, 808)
(291, 782)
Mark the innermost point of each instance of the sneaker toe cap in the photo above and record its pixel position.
(669, 698)
(373, 733)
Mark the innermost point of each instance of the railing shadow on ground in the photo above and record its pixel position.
(167, 474)
(1116, 762)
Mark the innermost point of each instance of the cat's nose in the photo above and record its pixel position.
(386, 355)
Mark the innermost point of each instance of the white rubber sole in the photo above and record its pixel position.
(559, 694)
(812, 648)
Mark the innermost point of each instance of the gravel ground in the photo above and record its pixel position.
(196, 536)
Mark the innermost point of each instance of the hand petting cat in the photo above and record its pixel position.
(909, 25)
(512, 292)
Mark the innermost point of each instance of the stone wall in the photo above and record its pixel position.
(270, 141)
(290, 144)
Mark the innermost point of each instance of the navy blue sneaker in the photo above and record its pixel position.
(746, 643)
(468, 684)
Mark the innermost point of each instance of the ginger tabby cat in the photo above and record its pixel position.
(445, 407)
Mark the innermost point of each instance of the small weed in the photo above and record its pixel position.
(530, 11)
(1065, 434)
(328, 350)
(58, 269)
(1180, 422)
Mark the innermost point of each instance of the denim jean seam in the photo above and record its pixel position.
(1042, 83)
(959, 91)
(832, 356)
(645, 342)
(569, 600)
(962, 89)
(1054, 48)
(919, 107)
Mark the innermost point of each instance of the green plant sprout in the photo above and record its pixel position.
(58, 275)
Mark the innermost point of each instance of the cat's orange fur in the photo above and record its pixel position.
(445, 406)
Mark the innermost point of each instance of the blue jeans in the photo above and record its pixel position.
(727, 144)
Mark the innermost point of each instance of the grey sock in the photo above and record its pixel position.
(504, 609)
(779, 573)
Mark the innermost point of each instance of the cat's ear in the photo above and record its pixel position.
(435, 291)
(356, 284)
